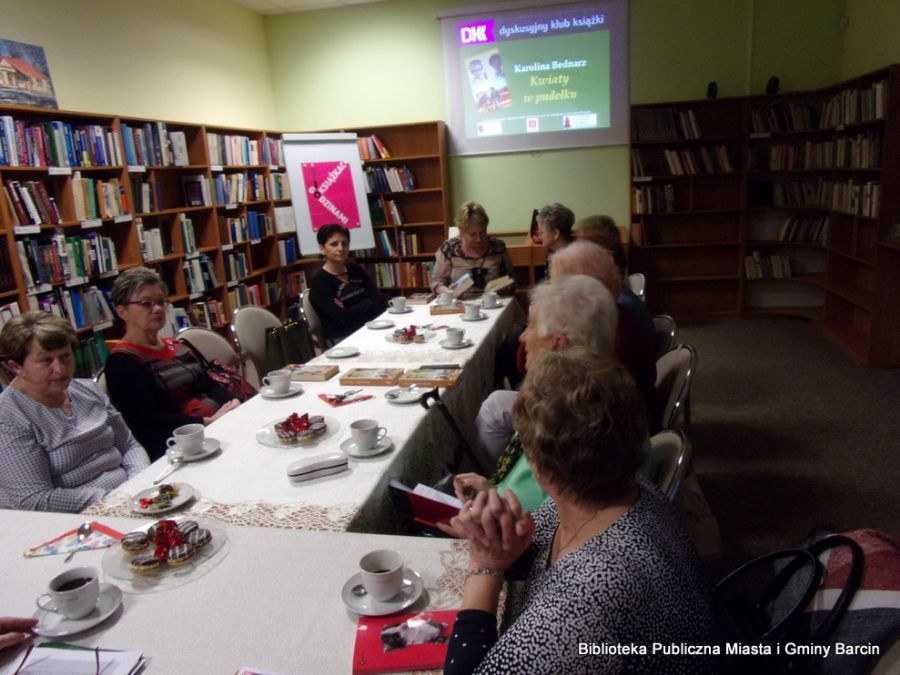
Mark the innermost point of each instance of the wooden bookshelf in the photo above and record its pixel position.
(796, 221)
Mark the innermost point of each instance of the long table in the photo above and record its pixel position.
(273, 601)
(246, 483)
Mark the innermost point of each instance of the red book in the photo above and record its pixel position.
(402, 642)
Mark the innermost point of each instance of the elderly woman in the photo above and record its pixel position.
(484, 258)
(555, 223)
(63, 445)
(606, 560)
(156, 382)
(342, 293)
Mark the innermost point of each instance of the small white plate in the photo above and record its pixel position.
(51, 624)
(427, 334)
(405, 310)
(499, 305)
(366, 605)
(380, 324)
(210, 446)
(404, 395)
(462, 345)
(481, 317)
(295, 388)
(185, 494)
(269, 437)
(341, 352)
(350, 449)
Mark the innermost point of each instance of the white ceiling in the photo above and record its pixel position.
(284, 6)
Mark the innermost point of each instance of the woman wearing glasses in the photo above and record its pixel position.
(156, 382)
(63, 445)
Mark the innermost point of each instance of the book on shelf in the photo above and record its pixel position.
(295, 283)
(188, 233)
(178, 142)
(430, 377)
(196, 190)
(208, 313)
(284, 219)
(412, 641)
(287, 251)
(312, 373)
(424, 504)
(385, 377)
(8, 311)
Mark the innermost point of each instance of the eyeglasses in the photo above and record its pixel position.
(150, 304)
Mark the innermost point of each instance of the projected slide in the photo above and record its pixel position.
(537, 72)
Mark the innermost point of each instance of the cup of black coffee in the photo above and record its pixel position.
(74, 593)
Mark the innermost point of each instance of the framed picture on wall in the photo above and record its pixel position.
(24, 75)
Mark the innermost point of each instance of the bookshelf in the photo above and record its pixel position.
(775, 204)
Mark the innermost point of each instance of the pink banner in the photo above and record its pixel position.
(329, 194)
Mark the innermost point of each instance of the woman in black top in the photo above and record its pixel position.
(343, 295)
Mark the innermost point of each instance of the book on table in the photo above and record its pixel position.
(423, 504)
(402, 642)
(419, 298)
(386, 377)
(311, 373)
(430, 377)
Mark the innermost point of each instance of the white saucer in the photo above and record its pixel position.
(368, 606)
(404, 395)
(295, 388)
(462, 345)
(185, 494)
(210, 446)
(350, 449)
(481, 317)
(405, 310)
(380, 324)
(51, 624)
(341, 352)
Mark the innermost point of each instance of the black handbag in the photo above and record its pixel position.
(288, 343)
(223, 375)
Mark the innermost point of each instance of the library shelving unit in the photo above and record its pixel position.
(408, 200)
(805, 223)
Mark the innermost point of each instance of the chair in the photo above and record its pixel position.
(664, 326)
(313, 322)
(211, 345)
(637, 282)
(100, 380)
(674, 373)
(248, 328)
(672, 451)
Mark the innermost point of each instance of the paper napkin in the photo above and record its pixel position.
(101, 536)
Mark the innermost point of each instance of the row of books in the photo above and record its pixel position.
(381, 179)
(384, 212)
(233, 188)
(188, 233)
(199, 274)
(852, 106)
(83, 306)
(30, 203)
(208, 313)
(847, 196)
(98, 198)
(406, 274)
(196, 190)
(237, 150)
(261, 294)
(90, 355)
(758, 266)
(155, 243)
(65, 260)
(712, 159)
(371, 147)
(862, 151)
(146, 195)
(8, 311)
(288, 251)
(785, 117)
(651, 125)
(811, 229)
(279, 186)
(294, 283)
(653, 199)
(251, 228)
(863, 199)
(236, 266)
(57, 143)
(152, 144)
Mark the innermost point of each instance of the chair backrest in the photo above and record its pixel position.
(672, 451)
(637, 282)
(674, 372)
(210, 344)
(248, 328)
(664, 326)
(100, 380)
(312, 321)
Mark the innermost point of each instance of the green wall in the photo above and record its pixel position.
(870, 39)
(382, 63)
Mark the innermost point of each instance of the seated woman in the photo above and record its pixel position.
(342, 294)
(155, 382)
(63, 445)
(484, 258)
(606, 560)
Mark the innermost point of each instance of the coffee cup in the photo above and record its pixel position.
(74, 593)
(455, 336)
(188, 439)
(445, 298)
(366, 434)
(381, 573)
(472, 311)
(490, 299)
(398, 304)
(279, 381)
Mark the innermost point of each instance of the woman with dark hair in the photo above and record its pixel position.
(63, 445)
(341, 292)
(607, 563)
(157, 383)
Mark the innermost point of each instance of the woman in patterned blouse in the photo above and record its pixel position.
(63, 445)
(609, 570)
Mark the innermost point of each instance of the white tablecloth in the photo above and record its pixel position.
(246, 483)
(273, 602)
